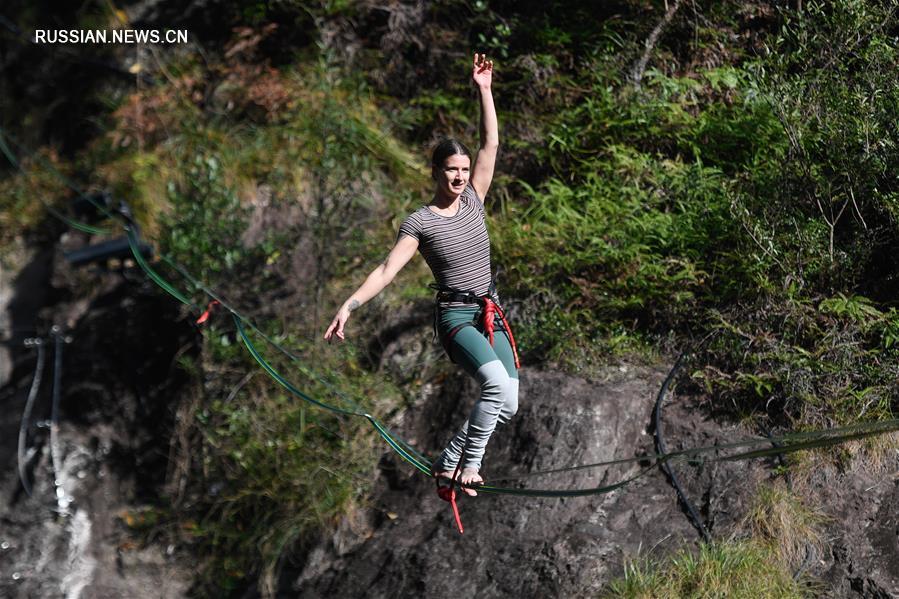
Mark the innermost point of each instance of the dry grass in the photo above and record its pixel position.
(733, 569)
(877, 455)
(783, 520)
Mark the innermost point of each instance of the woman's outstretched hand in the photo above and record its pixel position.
(336, 327)
(482, 70)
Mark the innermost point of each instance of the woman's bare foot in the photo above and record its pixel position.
(442, 474)
(469, 476)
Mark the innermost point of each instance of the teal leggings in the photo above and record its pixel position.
(493, 367)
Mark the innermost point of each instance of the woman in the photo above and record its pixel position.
(452, 236)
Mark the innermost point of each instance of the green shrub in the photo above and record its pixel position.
(815, 362)
(636, 241)
(203, 230)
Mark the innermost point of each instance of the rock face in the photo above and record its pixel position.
(24, 286)
(512, 545)
(117, 393)
(863, 549)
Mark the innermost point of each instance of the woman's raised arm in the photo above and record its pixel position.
(376, 281)
(482, 172)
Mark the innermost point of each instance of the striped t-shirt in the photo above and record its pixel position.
(457, 248)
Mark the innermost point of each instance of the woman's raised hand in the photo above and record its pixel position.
(336, 327)
(482, 70)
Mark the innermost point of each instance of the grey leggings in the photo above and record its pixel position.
(493, 367)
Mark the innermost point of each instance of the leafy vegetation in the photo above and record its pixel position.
(752, 201)
(204, 227)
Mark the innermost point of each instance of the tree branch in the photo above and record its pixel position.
(650, 43)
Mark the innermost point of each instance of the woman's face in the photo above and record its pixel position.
(453, 176)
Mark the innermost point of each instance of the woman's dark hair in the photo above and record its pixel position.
(446, 148)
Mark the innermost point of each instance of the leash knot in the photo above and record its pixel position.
(449, 494)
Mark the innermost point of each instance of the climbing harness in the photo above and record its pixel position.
(483, 320)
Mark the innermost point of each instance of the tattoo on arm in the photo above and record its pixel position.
(354, 303)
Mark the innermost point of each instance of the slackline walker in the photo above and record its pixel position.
(451, 233)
